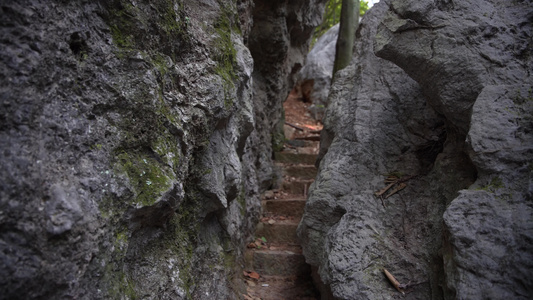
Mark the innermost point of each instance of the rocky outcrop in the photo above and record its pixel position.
(132, 140)
(478, 75)
(115, 114)
(489, 227)
(314, 80)
(279, 41)
(456, 115)
(462, 48)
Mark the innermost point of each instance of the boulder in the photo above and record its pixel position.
(132, 140)
(496, 236)
(314, 79)
(449, 117)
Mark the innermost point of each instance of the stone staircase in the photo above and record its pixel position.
(276, 255)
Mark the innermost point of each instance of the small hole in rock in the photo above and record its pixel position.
(77, 44)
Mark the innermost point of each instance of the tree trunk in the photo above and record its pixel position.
(345, 40)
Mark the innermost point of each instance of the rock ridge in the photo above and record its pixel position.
(132, 137)
(452, 109)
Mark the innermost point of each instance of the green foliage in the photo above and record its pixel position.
(363, 7)
(332, 16)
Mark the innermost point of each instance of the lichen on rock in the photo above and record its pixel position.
(130, 145)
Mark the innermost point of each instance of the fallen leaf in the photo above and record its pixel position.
(252, 297)
(311, 127)
(251, 245)
(271, 221)
(282, 218)
(251, 274)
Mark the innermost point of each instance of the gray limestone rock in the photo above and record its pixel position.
(279, 41)
(490, 226)
(135, 140)
(314, 79)
(377, 123)
(457, 115)
(460, 47)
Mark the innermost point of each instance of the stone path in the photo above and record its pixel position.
(276, 255)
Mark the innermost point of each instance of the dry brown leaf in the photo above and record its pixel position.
(398, 188)
(311, 127)
(383, 190)
(251, 274)
(391, 178)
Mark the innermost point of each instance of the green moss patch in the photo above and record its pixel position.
(143, 26)
(148, 178)
(494, 185)
(241, 199)
(118, 284)
(225, 53)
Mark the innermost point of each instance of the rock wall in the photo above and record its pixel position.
(132, 137)
(455, 110)
(279, 42)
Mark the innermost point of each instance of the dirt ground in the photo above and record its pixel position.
(297, 113)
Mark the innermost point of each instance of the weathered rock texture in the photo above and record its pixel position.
(279, 41)
(132, 142)
(314, 80)
(458, 115)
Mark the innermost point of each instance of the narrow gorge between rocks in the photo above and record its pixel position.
(148, 151)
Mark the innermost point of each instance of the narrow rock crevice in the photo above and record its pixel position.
(275, 265)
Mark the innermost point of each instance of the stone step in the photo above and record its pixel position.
(295, 158)
(282, 287)
(315, 137)
(296, 187)
(300, 171)
(296, 144)
(284, 207)
(279, 262)
(278, 232)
